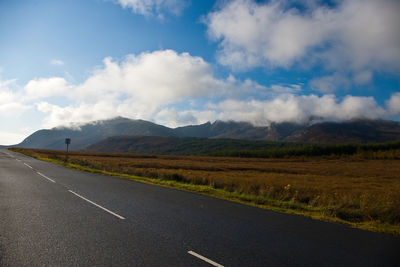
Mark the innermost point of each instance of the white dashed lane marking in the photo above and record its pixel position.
(44, 176)
(28, 165)
(97, 205)
(204, 259)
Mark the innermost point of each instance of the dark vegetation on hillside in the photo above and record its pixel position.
(390, 150)
(180, 146)
(241, 148)
(349, 132)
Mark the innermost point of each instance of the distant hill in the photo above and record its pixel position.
(356, 131)
(177, 145)
(93, 132)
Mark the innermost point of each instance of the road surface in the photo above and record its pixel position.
(53, 216)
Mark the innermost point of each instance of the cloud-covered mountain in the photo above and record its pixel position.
(358, 131)
(93, 132)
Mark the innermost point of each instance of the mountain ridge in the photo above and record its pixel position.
(353, 131)
(84, 135)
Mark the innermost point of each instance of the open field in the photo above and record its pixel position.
(361, 192)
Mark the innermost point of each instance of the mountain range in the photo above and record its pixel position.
(87, 135)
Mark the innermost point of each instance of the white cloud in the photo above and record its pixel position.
(11, 104)
(56, 62)
(154, 7)
(12, 109)
(174, 118)
(291, 108)
(368, 30)
(6, 95)
(393, 104)
(329, 83)
(73, 114)
(253, 34)
(154, 78)
(46, 87)
(284, 108)
(362, 77)
(355, 36)
(12, 138)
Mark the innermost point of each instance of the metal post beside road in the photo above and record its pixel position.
(67, 142)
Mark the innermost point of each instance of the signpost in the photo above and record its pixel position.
(67, 142)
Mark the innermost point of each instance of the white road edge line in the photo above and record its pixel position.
(44, 176)
(97, 205)
(204, 259)
(28, 165)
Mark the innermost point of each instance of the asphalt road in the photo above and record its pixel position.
(53, 216)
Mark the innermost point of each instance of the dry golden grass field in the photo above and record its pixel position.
(361, 192)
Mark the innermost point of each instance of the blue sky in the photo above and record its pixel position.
(179, 62)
